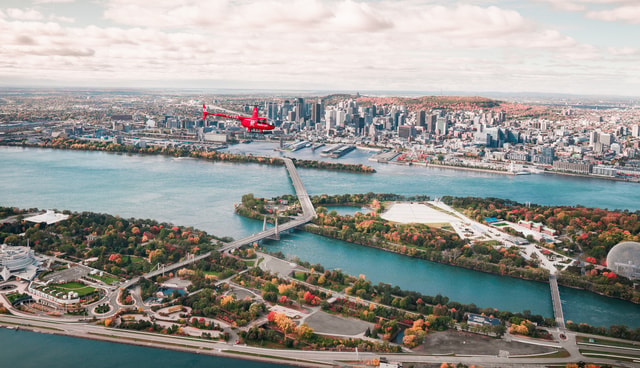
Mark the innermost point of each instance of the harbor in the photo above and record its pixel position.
(337, 151)
(384, 156)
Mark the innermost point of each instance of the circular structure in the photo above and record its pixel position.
(17, 261)
(7, 287)
(624, 259)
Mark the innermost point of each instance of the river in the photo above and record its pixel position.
(25, 349)
(190, 192)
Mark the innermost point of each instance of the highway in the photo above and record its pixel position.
(301, 192)
(305, 357)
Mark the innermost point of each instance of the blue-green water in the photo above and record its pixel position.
(24, 349)
(202, 194)
(547, 189)
(347, 210)
(459, 284)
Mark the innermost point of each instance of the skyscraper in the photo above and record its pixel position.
(316, 112)
(300, 109)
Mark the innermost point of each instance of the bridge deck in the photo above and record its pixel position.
(309, 213)
(555, 299)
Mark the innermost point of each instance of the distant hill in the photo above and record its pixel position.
(453, 103)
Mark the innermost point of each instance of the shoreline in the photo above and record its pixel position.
(178, 345)
(474, 169)
(545, 281)
(474, 269)
(232, 158)
(509, 173)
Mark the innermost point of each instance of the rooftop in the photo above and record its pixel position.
(50, 217)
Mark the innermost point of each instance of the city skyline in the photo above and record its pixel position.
(543, 46)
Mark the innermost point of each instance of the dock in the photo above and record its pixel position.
(384, 157)
(338, 150)
(298, 146)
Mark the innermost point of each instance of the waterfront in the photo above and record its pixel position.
(202, 194)
(25, 349)
(546, 189)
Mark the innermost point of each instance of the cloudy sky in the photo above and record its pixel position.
(562, 46)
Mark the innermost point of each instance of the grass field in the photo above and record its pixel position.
(81, 289)
(629, 357)
(601, 341)
(107, 279)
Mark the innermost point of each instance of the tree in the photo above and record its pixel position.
(304, 332)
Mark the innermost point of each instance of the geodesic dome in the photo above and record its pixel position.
(624, 259)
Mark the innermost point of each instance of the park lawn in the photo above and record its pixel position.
(12, 297)
(249, 263)
(602, 341)
(491, 243)
(81, 289)
(440, 225)
(138, 259)
(214, 273)
(107, 279)
(334, 286)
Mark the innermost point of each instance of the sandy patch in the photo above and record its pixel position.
(416, 213)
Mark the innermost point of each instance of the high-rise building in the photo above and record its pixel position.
(272, 110)
(635, 130)
(406, 131)
(430, 123)
(442, 126)
(316, 112)
(421, 118)
(285, 108)
(300, 109)
(340, 118)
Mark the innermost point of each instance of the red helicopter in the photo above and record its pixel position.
(251, 123)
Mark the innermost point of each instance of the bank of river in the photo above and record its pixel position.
(202, 194)
(25, 349)
(459, 284)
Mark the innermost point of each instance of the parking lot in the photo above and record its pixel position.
(68, 274)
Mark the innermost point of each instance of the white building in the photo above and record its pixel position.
(18, 261)
(57, 297)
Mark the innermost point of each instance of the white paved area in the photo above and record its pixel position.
(416, 213)
(50, 217)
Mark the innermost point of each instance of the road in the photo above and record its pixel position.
(306, 357)
(555, 299)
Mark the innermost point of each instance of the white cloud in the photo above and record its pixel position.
(627, 11)
(57, 18)
(583, 5)
(52, 1)
(623, 51)
(385, 44)
(628, 14)
(26, 14)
